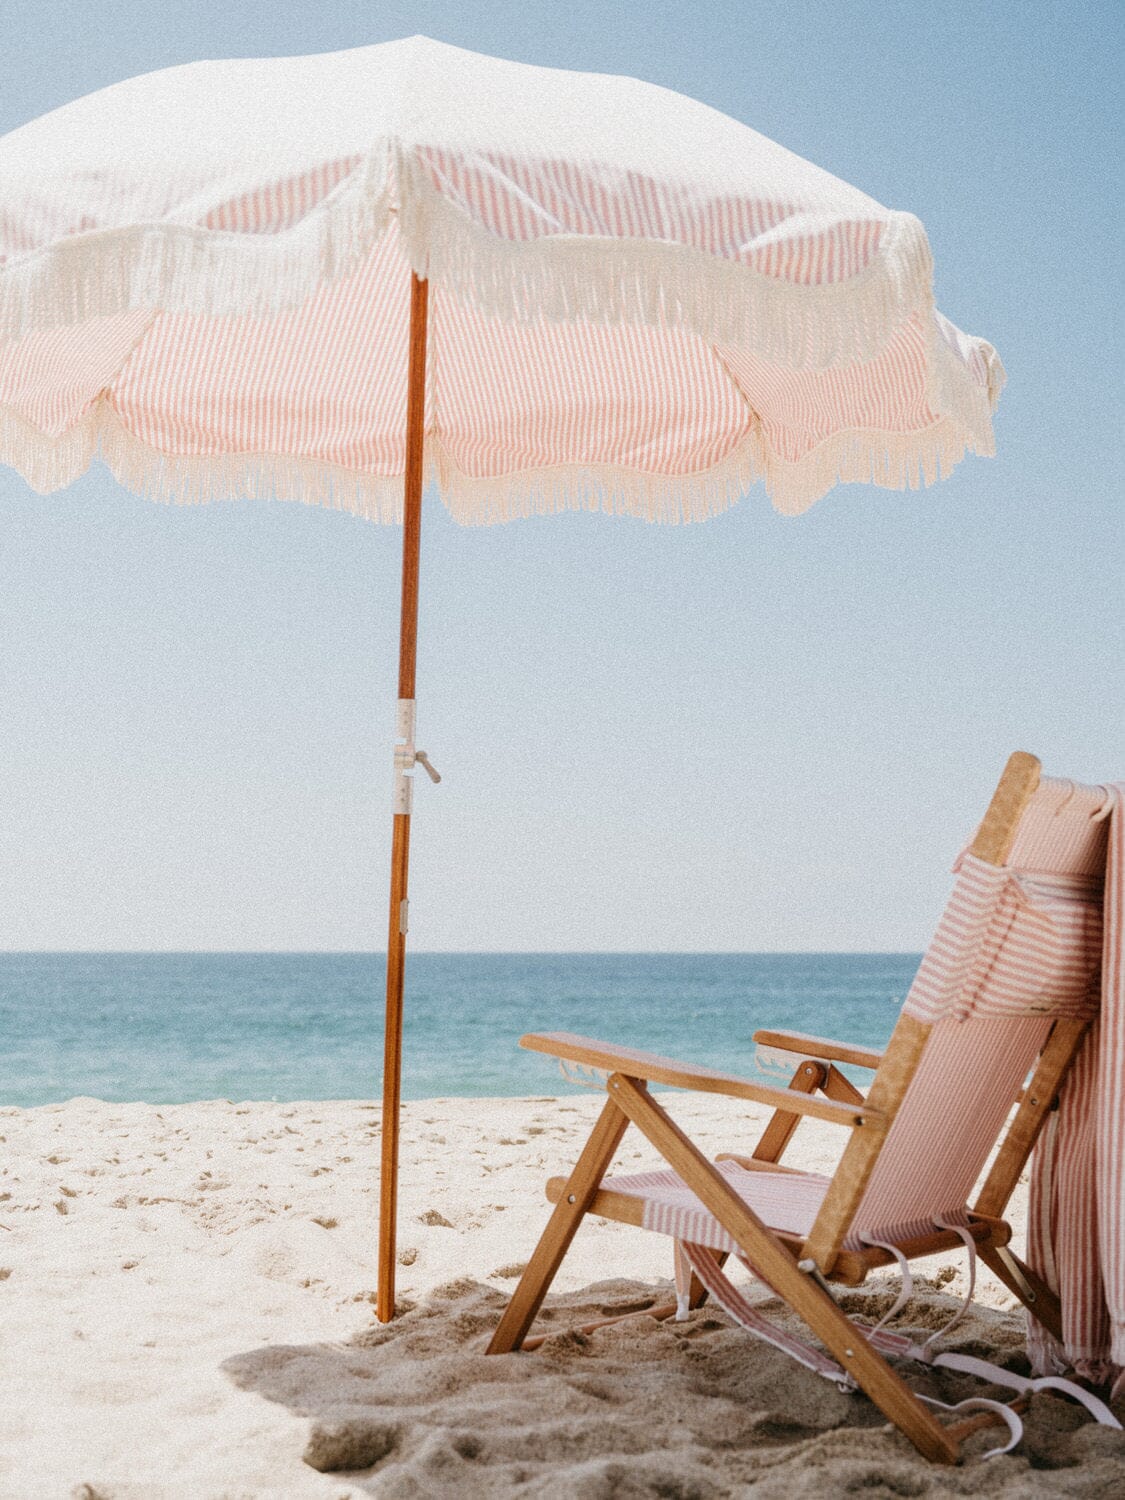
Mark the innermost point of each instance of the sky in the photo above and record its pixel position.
(755, 734)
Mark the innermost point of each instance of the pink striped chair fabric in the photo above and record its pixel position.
(636, 303)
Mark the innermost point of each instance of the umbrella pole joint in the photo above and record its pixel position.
(407, 756)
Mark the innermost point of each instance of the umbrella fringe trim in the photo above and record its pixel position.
(183, 268)
(188, 269)
(573, 278)
(888, 460)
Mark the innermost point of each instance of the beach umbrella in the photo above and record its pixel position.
(326, 278)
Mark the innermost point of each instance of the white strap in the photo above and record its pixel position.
(983, 1369)
(968, 1364)
(907, 1289)
(704, 1263)
(981, 1403)
(971, 1246)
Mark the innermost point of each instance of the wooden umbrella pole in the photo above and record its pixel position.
(404, 761)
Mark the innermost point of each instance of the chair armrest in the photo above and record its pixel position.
(818, 1046)
(611, 1058)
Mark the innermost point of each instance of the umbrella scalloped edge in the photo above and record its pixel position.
(891, 460)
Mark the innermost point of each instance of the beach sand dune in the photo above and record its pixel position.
(690, 1411)
(187, 1303)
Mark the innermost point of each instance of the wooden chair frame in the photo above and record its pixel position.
(799, 1270)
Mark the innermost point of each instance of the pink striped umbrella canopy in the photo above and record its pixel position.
(319, 278)
(636, 303)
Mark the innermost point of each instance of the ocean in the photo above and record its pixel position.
(172, 1027)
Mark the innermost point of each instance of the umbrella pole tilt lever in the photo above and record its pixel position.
(407, 757)
(430, 769)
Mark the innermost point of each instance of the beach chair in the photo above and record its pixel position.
(991, 1024)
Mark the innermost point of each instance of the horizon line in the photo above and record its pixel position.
(459, 952)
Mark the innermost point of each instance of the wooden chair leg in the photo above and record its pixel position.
(842, 1089)
(658, 1313)
(1041, 1302)
(562, 1226)
(697, 1292)
(809, 1076)
(776, 1266)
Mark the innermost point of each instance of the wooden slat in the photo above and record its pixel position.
(851, 1267)
(753, 1164)
(654, 1069)
(776, 1265)
(997, 832)
(1032, 1291)
(580, 1190)
(842, 1089)
(1035, 1106)
(888, 1087)
(622, 1208)
(819, 1046)
(808, 1077)
(659, 1313)
(626, 1208)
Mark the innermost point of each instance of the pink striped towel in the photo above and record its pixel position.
(1076, 1220)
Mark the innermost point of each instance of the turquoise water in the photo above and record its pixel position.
(171, 1027)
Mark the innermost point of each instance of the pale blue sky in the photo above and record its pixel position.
(754, 734)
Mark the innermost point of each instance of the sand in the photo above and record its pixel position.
(187, 1297)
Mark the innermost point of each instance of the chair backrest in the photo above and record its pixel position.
(1017, 951)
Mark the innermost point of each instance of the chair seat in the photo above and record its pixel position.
(786, 1201)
